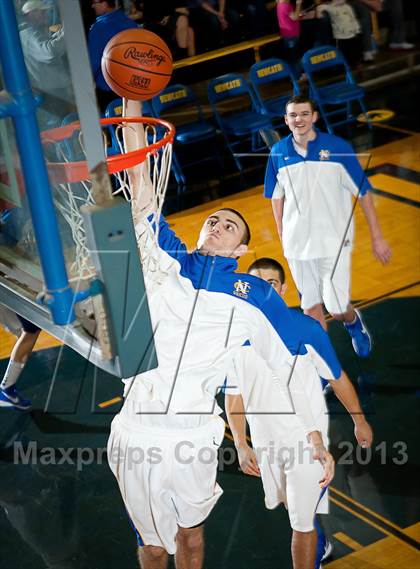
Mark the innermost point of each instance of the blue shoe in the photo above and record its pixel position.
(321, 545)
(328, 549)
(324, 383)
(360, 338)
(9, 397)
(324, 550)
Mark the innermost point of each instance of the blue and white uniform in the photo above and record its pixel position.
(201, 313)
(317, 225)
(288, 472)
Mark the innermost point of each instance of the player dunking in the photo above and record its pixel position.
(201, 313)
(311, 177)
(282, 459)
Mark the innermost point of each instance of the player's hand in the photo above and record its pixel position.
(363, 433)
(325, 458)
(381, 250)
(248, 461)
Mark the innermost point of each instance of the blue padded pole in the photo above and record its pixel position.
(20, 104)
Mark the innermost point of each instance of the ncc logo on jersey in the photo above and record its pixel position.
(241, 289)
(324, 154)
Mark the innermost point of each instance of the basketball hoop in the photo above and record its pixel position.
(73, 188)
(72, 172)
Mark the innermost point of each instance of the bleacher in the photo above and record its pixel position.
(386, 68)
(198, 71)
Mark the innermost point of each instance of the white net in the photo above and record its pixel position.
(70, 197)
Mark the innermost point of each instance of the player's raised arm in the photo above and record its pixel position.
(139, 176)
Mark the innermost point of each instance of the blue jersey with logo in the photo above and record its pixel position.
(202, 312)
(317, 190)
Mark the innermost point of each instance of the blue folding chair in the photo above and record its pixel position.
(267, 77)
(334, 99)
(115, 109)
(71, 147)
(179, 100)
(225, 93)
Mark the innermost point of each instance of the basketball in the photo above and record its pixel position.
(137, 64)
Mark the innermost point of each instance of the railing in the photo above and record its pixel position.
(254, 44)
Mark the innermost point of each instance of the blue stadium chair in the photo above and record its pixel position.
(180, 100)
(267, 77)
(71, 147)
(115, 109)
(335, 99)
(226, 92)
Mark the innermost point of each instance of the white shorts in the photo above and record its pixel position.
(317, 283)
(290, 476)
(167, 477)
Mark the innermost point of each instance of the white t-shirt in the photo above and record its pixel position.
(201, 313)
(267, 399)
(318, 192)
(343, 20)
(267, 402)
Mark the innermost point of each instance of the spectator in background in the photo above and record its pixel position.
(136, 11)
(254, 16)
(110, 20)
(170, 20)
(398, 39)
(288, 18)
(363, 9)
(315, 31)
(219, 21)
(44, 57)
(345, 28)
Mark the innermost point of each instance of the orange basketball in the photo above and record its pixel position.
(137, 64)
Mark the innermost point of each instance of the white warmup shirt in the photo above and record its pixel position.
(201, 313)
(317, 191)
(268, 406)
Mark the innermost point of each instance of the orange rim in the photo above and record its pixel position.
(72, 172)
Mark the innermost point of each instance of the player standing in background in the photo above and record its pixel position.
(9, 396)
(310, 178)
(281, 456)
(201, 312)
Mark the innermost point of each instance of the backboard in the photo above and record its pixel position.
(38, 248)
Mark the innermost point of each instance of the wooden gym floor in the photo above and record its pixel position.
(67, 517)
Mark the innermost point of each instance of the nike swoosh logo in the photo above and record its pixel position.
(12, 399)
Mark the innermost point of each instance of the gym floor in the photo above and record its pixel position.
(54, 514)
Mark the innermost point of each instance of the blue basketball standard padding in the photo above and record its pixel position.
(334, 99)
(237, 126)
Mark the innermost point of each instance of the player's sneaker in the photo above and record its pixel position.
(328, 548)
(360, 338)
(9, 397)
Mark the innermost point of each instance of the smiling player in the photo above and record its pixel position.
(311, 178)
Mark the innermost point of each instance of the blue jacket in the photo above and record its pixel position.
(104, 28)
